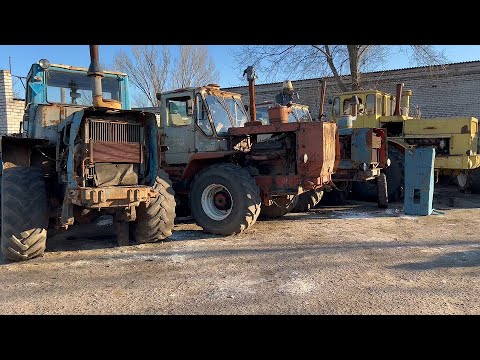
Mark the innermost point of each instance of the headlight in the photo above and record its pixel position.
(305, 158)
(389, 162)
(363, 167)
(44, 64)
(442, 144)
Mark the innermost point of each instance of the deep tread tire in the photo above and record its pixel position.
(282, 205)
(473, 181)
(24, 211)
(308, 200)
(368, 191)
(245, 198)
(382, 198)
(155, 222)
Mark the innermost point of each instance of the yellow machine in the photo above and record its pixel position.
(455, 139)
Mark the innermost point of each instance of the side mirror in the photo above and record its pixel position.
(330, 101)
(189, 107)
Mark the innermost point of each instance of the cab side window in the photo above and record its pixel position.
(379, 105)
(178, 112)
(347, 108)
(370, 102)
(336, 106)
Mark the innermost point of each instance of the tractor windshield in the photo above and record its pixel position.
(237, 110)
(262, 114)
(302, 114)
(218, 110)
(74, 87)
(226, 112)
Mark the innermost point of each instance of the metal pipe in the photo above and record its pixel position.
(399, 98)
(96, 74)
(251, 76)
(354, 104)
(322, 99)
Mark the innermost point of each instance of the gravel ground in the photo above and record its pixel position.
(354, 259)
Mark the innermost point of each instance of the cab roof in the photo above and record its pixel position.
(213, 89)
(272, 102)
(362, 92)
(78, 68)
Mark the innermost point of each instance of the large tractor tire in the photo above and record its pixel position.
(282, 205)
(469, 181)
(308, 200)
(395, 173)
(224, 199)
(24, 212)
(155, 222)
(382, 198)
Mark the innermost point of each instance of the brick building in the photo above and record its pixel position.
(449, 90)
(11, 110)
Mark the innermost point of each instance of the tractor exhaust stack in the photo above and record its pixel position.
(251, 76)
(96, 74)
(398, 100)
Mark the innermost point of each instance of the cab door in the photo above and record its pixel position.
(205, 139)
(179, 128)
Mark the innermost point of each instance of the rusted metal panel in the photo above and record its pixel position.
(116, 152)
(264, 129)
(316, 149)
(51, 115)
(383, 149)
(113, 196)
(289, 184)
(200, 160)
(175, 172)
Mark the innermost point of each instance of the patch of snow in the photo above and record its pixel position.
(181, 235)
(80, 263)
(297, 287)
(392, 211)
(178, 259)
(353, 215)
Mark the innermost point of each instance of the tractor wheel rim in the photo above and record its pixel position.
(462, 179)
(217, 202)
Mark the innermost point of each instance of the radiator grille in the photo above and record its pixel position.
(115, 132)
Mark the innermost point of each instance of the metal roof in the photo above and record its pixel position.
(365, 73)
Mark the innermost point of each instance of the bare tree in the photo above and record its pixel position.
(148, 68)
(193, 67)
(139, 101)
(16, 93)
(301, 61)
